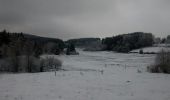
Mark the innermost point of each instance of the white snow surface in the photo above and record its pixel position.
(152, 49)
(90, 76)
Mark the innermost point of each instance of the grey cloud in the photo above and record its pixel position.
(81, 18)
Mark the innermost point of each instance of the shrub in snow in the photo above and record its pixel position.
(50, 63)
(140, 51)
(162, 63)
(71, 50)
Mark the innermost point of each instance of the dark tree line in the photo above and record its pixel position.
(24, 42)
(127, 42)
(83, 42)
(22, 51)
(168, 39)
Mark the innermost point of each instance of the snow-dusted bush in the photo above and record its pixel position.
(140, 51)
(162, 63)
(50, 64)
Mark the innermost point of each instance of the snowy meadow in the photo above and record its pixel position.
(90, 76)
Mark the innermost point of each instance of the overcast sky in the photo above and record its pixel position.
(85, 18)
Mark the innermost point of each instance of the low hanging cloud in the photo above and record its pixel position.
(85, 18)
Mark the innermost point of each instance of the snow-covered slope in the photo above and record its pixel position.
(90, 76)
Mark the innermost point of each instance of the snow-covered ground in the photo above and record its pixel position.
(90, 76)
(152, 49)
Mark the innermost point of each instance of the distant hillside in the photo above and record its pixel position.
(42, 44)
(21, 52)
(127, 42)
(40, 38)
(83, 42)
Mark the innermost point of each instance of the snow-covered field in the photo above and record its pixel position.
(152, 49)
(90, 76)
